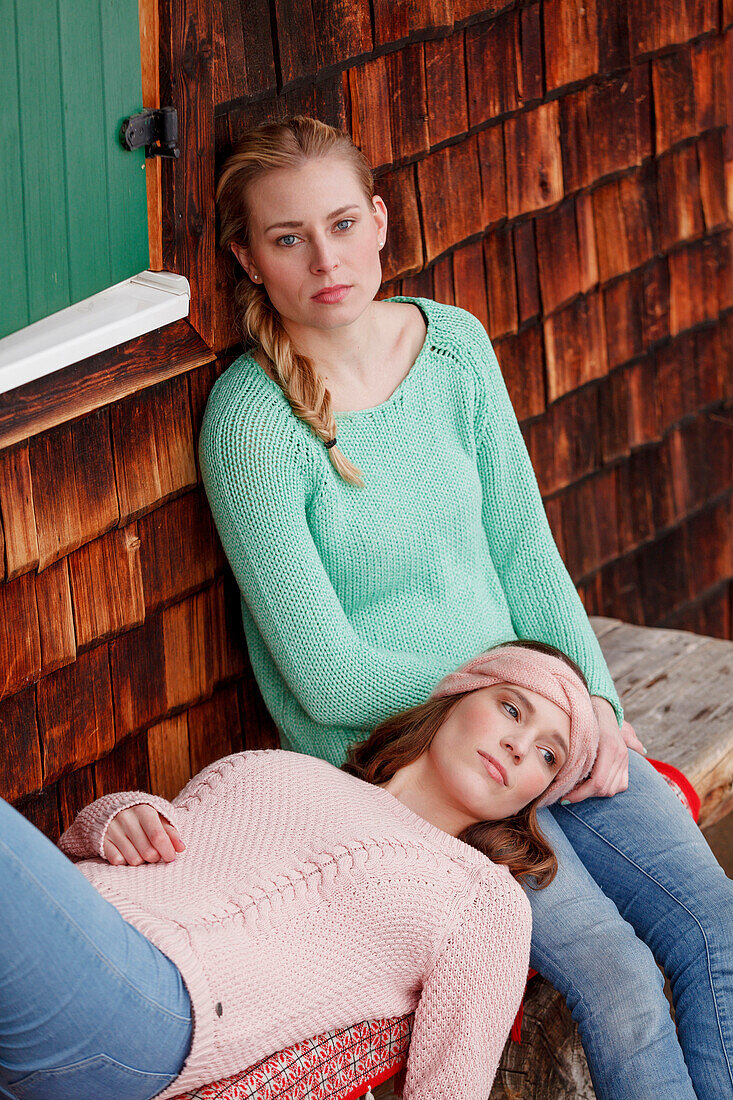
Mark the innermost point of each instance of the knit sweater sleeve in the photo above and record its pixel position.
(259, 478)
(471, 997)
(84, 839)
(542, 598)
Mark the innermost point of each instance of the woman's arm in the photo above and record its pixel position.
(542, 598)
(87, 836)
(258, 479)
(471, 997)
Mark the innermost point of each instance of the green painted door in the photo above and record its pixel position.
(73, 200)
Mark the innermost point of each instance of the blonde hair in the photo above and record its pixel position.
(271, 146)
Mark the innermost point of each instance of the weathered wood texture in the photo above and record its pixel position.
(565, 172)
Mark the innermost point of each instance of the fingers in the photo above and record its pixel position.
(140, 835)
(112, 853)
(632, 741)
(609, 776)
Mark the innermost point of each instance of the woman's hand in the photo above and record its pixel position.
(140, 835)
(611, 770)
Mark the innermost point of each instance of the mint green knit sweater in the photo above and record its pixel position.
(356, 601)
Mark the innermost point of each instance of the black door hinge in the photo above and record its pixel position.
(155, 128)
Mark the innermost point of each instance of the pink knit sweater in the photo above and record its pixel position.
(308, 900)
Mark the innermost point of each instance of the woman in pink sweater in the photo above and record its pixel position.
(258, 908)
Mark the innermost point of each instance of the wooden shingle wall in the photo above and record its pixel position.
(563, 169)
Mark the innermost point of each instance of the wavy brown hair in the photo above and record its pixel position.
(517, 842)
(271, 146)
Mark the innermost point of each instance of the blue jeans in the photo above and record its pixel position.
(89, 1008)
(638, 883)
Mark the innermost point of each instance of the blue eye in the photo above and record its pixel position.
(549, 757)
(347, 222)
(288, 239)
(511, 710)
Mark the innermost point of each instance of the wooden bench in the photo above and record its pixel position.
(685, 720)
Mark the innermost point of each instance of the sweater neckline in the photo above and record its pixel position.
(406, 382)
(439, 837)
(409, 379)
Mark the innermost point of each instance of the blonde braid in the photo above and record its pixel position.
(296, 374)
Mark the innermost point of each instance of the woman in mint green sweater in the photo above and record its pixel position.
(375, 499)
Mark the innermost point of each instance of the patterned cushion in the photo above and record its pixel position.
(337, 1065)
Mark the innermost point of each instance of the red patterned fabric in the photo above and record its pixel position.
(338, 1065)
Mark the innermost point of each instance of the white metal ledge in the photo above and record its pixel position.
(119, 313)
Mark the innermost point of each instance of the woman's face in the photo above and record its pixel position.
(314, 242)
(498, 750)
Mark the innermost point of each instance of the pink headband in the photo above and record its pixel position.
(549, 676)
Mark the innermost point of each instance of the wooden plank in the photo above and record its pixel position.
(629, 409)
(42, 810)
(493, 174)
(74, 495)
(55, 617)
(258, 728)
(451, 171)
(533, 160)
(614, 147)
(710, 545)
(20, 639)
(532, 69)
(179, 550)
(575, 345)
(16, 507)
(188, 646)
(525, 259)
(635, 512)
(622, 307)
(710, 355)
(501, 281)
(296, 39)
(674, 99)
(711, 164)
(168, 757)
(676, 380)
(563, 444)
(244, 64)
(370, 128)
(229, 650)
(407, 101)
(343, 30)
(20, 760)
(571, 41)
(325, 100)
(680, 203)
(124, 769)
(443, 288)
(613, 36)
(493, 68)
(419, 285)
(402, 253)
(445, 82)
(655, 277)
(469, 281)
(396, 19)
(624, 220)
(153, 447)
(186, 64)
(76, 790)
(522, 365)
(693, 288)
(107, 586)
(150, 79)
(214, 729)
(75, 719)
(615, 590)
(137, 661)
(708, 74)
(658, 24)
(578, 164)
(99, 380)
(558, 260)
(665, 571)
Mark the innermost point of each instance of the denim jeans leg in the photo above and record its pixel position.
(89, 1008)
(648, 856)
(610, 981)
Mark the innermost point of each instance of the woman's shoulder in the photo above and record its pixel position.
(447, 324)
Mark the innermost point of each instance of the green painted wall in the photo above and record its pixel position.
(73, 200)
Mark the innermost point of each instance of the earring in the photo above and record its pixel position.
(255, 278)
